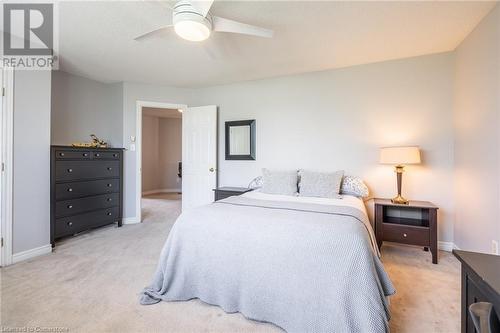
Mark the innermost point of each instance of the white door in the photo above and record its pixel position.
(2, 167)
(199, 156)
(6, 140)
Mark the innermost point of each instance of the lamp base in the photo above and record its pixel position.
(399, 200)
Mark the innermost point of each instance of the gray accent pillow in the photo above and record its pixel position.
(354, 186)
(279, 182)
(320, 184)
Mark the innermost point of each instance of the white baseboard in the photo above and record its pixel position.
(163, 190)
(131, 220)
(447, 246)
(25, 255)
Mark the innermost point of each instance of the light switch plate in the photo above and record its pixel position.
(132, 147)
(494, 247)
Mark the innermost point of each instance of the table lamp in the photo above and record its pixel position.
(399, 156)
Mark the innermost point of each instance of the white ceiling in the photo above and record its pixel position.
(161, 113)
(96, 38)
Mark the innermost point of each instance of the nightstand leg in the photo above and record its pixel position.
(434, 256)
(433, 235)
(426, 249)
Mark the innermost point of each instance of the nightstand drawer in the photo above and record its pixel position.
(405, 234)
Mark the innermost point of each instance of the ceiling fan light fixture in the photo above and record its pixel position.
(192, 30)
(192, 26)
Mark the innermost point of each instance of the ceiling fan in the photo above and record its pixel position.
(193, 21)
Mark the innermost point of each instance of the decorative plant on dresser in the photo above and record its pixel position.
(86, 189)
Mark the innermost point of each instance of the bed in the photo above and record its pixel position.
(303, 264)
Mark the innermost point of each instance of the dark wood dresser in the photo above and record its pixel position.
(225, 192)
(414, 224)
(86, 189)
(480, 283)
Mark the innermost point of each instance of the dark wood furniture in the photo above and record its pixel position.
(480, 283)
(86, 189)
(224, 192)
(414, 224)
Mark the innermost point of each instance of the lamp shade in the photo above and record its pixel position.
(400, 155)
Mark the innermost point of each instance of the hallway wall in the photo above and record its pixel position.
(150, 146)
(170, 152)
(161, 152)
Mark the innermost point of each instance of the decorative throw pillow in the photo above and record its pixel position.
(255, 183)
(279, 182)
(354, 186)
(320, 184)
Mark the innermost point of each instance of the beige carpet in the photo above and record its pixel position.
(91, 284)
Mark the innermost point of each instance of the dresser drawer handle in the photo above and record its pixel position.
(70, 224)
(85, 154)
(97, 155)
(109, 199)
(109, 185)
(109, 214)
(405, 235)
(115, 155)
(70, 170)
(70, 189)
(61, 154)
(110, 168)
(70, 206)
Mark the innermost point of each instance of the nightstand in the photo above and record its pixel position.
(224, 192)
(414, 224)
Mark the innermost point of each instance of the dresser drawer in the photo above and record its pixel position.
(406, 234)
(76, 170)
(71, 154)
(72, 190)
(106, 155)
(73, 224)
(76, 206)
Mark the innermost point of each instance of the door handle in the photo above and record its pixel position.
(211, 169)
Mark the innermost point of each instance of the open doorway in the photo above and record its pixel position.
(198, 156)
(161, 161)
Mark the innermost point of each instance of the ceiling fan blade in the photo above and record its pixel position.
(149, 33)
(202, 6)
(209, 52)
(165, 4)
(224, 25)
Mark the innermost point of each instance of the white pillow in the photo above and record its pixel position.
(320, 184)
(354, 186)
(279, 182)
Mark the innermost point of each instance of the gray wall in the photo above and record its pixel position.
(477, 139)
(31, 185)
(81, 107)
(339, 119)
